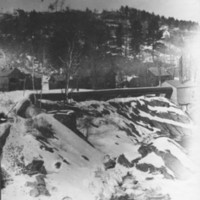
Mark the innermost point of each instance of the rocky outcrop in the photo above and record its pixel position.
(26, 109)
(101, 150)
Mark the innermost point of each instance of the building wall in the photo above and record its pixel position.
(186, 95)
(29, 83)
(45, 82)
(4, 83)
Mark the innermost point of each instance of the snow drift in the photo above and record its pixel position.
(130, 148)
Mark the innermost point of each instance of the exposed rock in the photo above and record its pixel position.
(39, 187)
(160, 103)
(130, 182)
(109, 162)
(122, 160)
(150, 168)
(170, 161)
(26, 109)
(3, 136)
(5, 178)
(32, 111)
(3, 117)
(68, 119)
(125, 197)
(145, 149)
(21, 107)
(71, 162)
(35, 167)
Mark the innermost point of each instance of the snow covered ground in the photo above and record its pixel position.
(128, 148)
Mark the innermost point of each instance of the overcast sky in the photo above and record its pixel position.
(181, 9)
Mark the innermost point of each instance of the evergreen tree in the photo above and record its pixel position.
(137, 36)
(154, 34)
(119, 35)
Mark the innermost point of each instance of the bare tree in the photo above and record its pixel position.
(71, 64)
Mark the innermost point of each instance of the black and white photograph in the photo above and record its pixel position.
(99, 99)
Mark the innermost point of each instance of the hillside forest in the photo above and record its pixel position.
(94, 50)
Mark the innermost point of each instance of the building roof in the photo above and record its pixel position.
(178, 84)
(174, 71)
(28, 71)
(155, 71)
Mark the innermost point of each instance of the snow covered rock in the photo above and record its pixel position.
(21, 107)
(167, 157)
(119, 149)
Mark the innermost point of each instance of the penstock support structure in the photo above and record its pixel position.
(103, 95)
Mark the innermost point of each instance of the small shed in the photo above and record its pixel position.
(183, 93)
(11, 79)
(155, 73)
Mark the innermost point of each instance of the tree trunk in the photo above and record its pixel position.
(77, 84)
(24, 86)
(33, 82)
(67, 88)
(159, 75)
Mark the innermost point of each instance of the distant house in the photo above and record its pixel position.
(11, 79)
(57, 81)
(155, 74)
(29, 80)
(183, 93)
(33, 83)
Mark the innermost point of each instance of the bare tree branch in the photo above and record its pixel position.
(70, 64)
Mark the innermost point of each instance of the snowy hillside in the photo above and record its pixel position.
(130, 148)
